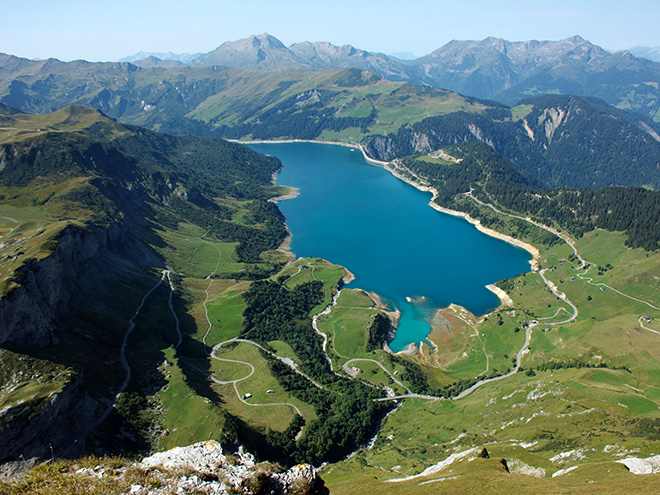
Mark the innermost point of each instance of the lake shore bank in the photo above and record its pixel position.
(400, 173)
(293, 193)
(534, 262)
(389, 166)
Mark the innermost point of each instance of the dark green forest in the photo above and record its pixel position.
(346, 413)
(492, 179)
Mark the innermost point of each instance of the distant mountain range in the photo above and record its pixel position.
(492, 68)
(184, 58)
(387, 105)
(651, 53)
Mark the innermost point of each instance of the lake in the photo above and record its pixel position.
(360, 216)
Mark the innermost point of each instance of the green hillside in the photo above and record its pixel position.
(91, 213)
(554, 140)
(131, 262)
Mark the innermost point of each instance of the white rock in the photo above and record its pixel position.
(650, 465)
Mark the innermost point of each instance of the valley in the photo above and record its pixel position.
(159, 290)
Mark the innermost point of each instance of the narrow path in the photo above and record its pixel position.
(252, 370)
(590, 281)
(409, 396)
(641, 324)
(176, 318)
(216, 347)
(122, 352)
(519, 356)
(234, 382)
(287, 361)
(206, 300)
(561, 308)
(323, 335)
(124, 364)
(483, 347)
(561, 296)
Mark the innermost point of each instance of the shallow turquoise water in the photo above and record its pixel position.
(360, 216)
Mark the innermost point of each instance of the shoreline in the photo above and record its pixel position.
(335, 143)
(505, 300)
(294, 192)
(536, 255)
(378, 302)
(282, 141)
(348, 276)
(532, 250)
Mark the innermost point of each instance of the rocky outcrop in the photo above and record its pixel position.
(386, 148)
(205, 468)
(636, 465)
(202, 468)
(40, 427)
(83, 261)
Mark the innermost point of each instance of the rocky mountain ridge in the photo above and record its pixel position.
(491, 68)
(545, 142)
(87, 196)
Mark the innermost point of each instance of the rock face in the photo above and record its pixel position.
(208, 470)
(263, 52)
(33, 429)
(83, 261)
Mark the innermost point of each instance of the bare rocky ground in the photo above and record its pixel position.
(201, 468)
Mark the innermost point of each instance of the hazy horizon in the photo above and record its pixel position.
(73, 29)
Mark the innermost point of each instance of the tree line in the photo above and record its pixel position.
(346, 413)
(492, 179)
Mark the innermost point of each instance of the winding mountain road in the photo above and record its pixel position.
(124, 364)
(561, 296)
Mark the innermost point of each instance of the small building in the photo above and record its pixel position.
(247, 396)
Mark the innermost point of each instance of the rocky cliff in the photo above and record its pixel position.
(44, 426)
(81, 264)
(34, 315)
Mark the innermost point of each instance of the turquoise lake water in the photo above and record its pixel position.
(360, 216)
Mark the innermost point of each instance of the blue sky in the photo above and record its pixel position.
(109, 30)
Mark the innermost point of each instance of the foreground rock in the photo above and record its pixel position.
(201, 468)
(204, 468)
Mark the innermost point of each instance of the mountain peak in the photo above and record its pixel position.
(577, 39)
(265, 40)
(261, 51)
